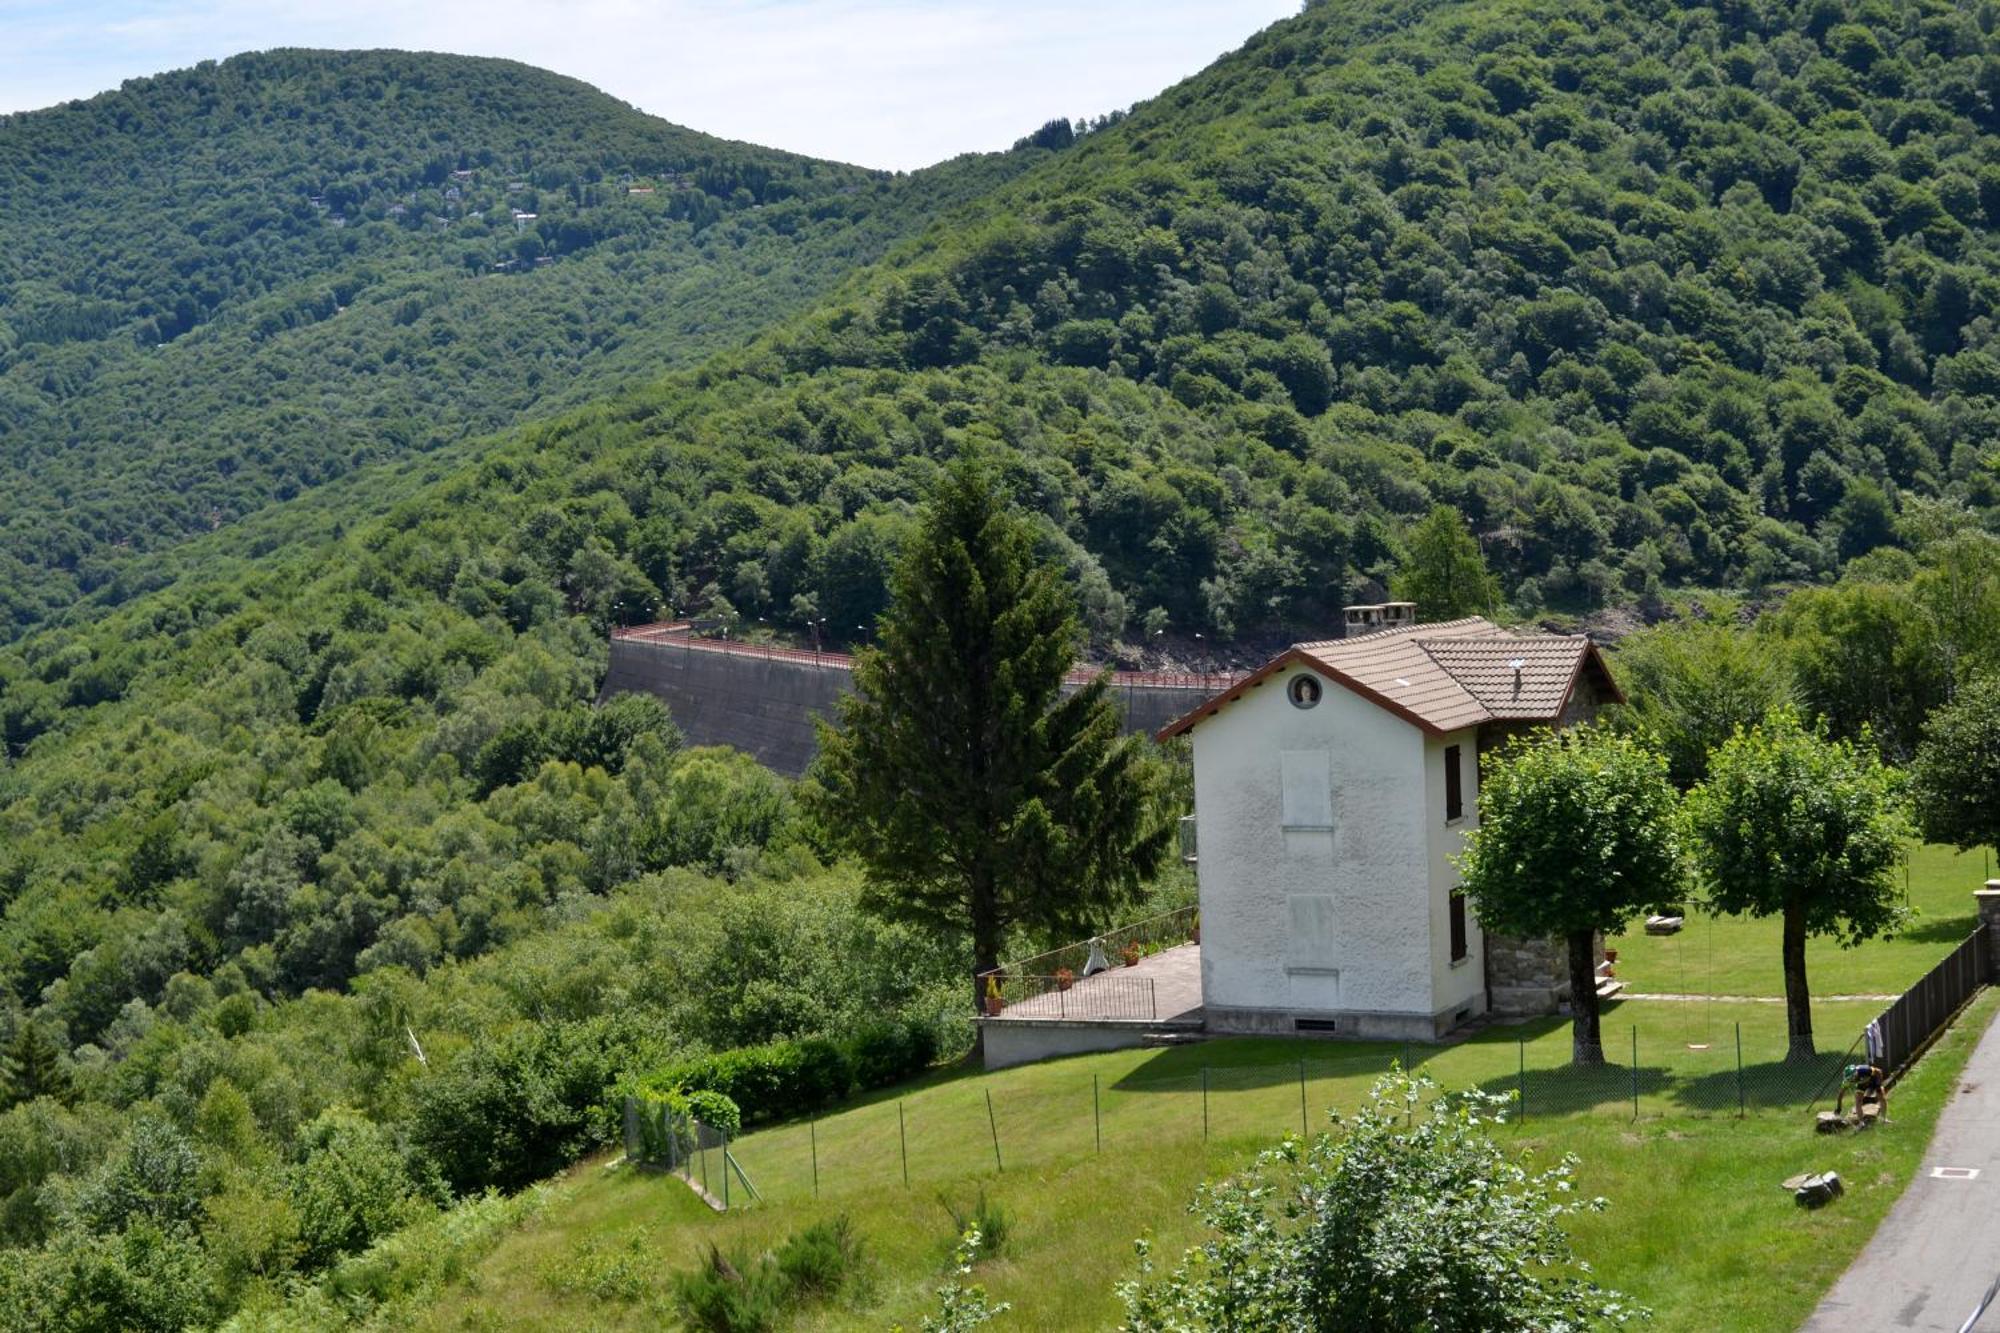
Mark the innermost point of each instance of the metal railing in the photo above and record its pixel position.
(1106, 995)
(682, 634)
(1151, 935)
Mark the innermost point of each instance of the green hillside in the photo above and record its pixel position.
(1659, 295)
(222, 287)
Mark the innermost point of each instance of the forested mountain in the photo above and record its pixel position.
(224, 286)
(1658, 294)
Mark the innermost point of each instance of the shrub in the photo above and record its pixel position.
(723, 1297)
(749, 1296)
(889, 1050)
(986, 1219)
(817, 1262)
(785, 1078)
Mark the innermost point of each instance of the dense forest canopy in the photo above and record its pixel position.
(1658, 295)
(222, 287)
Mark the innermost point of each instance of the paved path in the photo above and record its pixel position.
(1934, 1255)
(1752, 999)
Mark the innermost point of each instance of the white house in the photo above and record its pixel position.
(1332, 788)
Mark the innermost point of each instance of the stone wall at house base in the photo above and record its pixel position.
(1528, 978)
(1349, 1024)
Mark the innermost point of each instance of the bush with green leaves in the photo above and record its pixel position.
(774, 1082)
(349, 1188)
(888, 1050)
(1406, 1215)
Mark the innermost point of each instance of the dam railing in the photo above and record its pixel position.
(687, 635)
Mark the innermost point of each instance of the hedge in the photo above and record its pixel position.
(791, 1078)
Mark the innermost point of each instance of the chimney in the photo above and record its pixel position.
(1380, 616)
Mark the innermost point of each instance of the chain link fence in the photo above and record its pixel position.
(1678, 1060)
(660, 1138)
(965, 1128)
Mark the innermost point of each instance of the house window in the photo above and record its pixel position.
(1304, 691)
(1458, 942)
(1307, 778)
(1454, 785)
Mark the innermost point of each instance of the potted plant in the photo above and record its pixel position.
(994, 1002)
(1132, 953)
(1064, 978)
(1610, 955)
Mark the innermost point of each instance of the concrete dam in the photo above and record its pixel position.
(763, 700)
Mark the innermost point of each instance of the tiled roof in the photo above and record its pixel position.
(1444, 677)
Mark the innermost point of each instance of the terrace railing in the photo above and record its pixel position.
(1165, 931)
(1107, 995)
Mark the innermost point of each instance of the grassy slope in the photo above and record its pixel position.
(1697, 1226)
(1739, 955)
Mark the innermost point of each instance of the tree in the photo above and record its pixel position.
(1792, 823)
(1444, 572)
(1382, 1226)
(33, 1068)
(980, 799)
(1576, 835)
(1955, 776)
(1690, 686)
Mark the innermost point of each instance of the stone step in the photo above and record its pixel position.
(1609, 987)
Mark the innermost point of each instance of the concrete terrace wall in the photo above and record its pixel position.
(763, 701)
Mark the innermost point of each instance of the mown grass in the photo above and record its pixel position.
(1698, 1227)
(1739, 955)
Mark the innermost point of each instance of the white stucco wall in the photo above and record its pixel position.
(1307, 921)
(1453, 985)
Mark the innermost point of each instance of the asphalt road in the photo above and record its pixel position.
(1939, 1249)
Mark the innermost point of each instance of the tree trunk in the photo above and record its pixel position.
(1798, 995)
(1587, 1046)
(985, 925)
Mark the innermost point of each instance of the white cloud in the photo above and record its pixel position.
(893, 83)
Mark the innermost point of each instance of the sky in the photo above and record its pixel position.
(883, 83)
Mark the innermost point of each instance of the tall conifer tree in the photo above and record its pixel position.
(32, 1068)
(982, 800)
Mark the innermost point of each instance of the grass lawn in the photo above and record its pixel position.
(1698, 1227)
(1739, 955)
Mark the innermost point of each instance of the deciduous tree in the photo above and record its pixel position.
(1689, 687)
(1955, 776)
(1577, 834)
(1444, 572)
(1792, 824)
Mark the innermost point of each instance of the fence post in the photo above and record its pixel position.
(993, 1126)
(1096, 1116)
(1153, 998)
(1740, 1101)
(1204, 1103)
(1521, 1083)
(1305, 1131)
(812, 1129)
(725, 1171)
(903, 1141)
(1635, 1071)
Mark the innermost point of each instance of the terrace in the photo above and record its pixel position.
(1145, 990)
